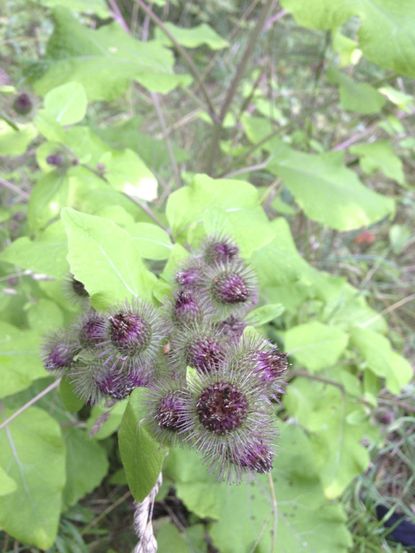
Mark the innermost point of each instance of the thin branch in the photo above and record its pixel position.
(239, 73)
(169, 145)
(192, 67)
(13, 188)
(116, 12)
(240, 70)
(31, 402)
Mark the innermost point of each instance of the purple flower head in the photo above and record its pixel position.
(134, 336)
(84, 376)
(228, 288)
(256, 456)
(23, 104)
(130, 332)
(198, 345)
(56, 160)
(232, 328)
(59, 352)
(223, 415)
(92, 330)
(169, 411)
(205, 354)
(188, 277)
(185, 306)
(118, 384)
(219, 250)
(222, 407)
(271, 363)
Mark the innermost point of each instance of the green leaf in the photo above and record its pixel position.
(307, 522)
(264, 314)
(49, 195)
(46, 254)
(328, 192)
(170, 540)
(112, 417)
(33, 454)
(66, 104)
(221, 205)
(377, 19)
(142, 457)
(381, 359)
(44, 316)
(15, 142)
(20, 362)
(151, 241)
(379, 155)
(70, 400)
(192, 38)
(104, 257)
(336, 441)
(315, 345)
(97, 7)
(104, 61)
(129, 174)
(358, 97)
(86, 465)
(7, 484)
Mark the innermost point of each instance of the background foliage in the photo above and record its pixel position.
(287, 126)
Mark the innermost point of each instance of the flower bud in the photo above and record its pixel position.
(59, 352)
(219, 250)
(22, 104)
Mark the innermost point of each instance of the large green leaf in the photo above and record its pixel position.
(358, 97)
(379, 155)
(381, 359)
(15, 142)
(315, 345)
(152, 241)
(67, 103)
(105, 61)
(330, 193)
(194, 37)
(98, 7)
(33, 454)
(7, 484)
(141, 455)
(222, 206)
(86, 465)
(244, 516)
(129, 174)
(378, 19)
(20, 362)
(46, 254)
(336, 426)
(104, 257)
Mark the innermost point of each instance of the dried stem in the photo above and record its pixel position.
(143, 521)
(31, 402)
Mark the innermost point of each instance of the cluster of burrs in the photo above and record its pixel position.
(211, 380)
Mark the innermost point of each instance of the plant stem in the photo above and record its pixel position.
(192, 67)
(31, 402)
(240, 70)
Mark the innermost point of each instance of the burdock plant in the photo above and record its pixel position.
(210, 381)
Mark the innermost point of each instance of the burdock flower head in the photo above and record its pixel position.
(134, 334)
(92, 330)
(219, 249)
(75, 291)
(23, 104)
(256, 456)
(59, 352)
(185, 307)
(225, 414)
(232, 328)
(229, 288)
(198, 345)
(266, 362)
(189, 274)
(117, 383)
(166, 404)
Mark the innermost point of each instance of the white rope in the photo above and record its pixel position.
(143, 526)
